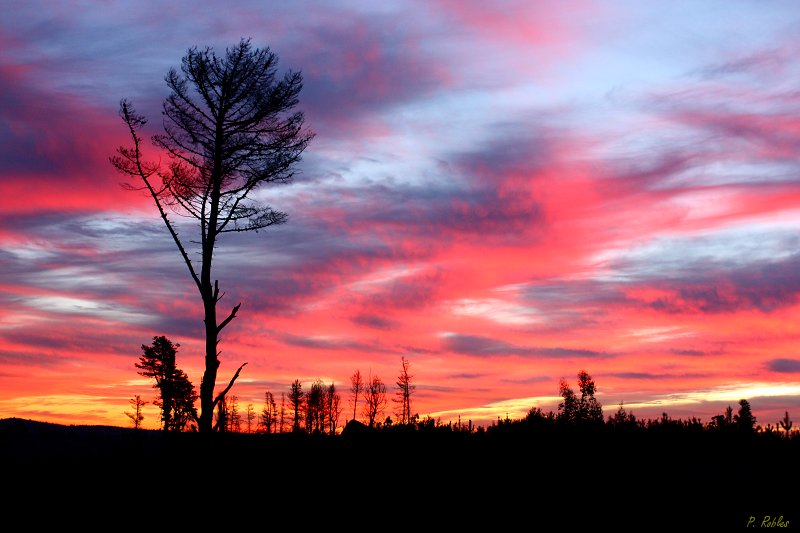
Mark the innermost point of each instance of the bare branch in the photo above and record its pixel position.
(135, 122)
(231, 316)
(222, 394)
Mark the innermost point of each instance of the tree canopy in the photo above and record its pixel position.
(584, 409)
(177, 395)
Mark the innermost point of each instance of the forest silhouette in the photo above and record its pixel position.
(570, 469)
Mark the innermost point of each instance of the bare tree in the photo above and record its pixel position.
(250, 416)
(283, 412)
(374, 399)
(334, 409)
(136, 417)
(403, 394)
(269, 414)
(315, 407)
(234, 417)
(356, 388)
(296, 403)
(229, 128)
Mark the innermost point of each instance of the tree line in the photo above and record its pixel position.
(318, 407)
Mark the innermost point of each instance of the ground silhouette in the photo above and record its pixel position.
(572, 478)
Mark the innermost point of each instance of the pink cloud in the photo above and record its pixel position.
(536, 23)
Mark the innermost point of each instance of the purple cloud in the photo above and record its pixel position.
(787, 366)
(487, 347)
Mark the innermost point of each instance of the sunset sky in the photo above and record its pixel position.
(505, 193)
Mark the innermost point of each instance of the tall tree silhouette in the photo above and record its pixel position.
(136, 416)
(589, 408)
(269, 414)
(744, 419)
(233, 417)
(281, 427)
(568, 408)
(374, 399)
(177, 395)
(333, 409)
(403, 393)
(356, 388)
(786, 423)
(315, 407)
(296, 403)
(229, 128)
(584, 409)
(250, 417)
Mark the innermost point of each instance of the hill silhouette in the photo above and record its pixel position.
(578, 478)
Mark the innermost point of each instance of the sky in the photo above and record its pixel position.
(504, 193)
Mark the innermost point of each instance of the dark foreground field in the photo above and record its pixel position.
(390, 480)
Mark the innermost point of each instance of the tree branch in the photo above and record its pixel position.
(222, 394)
(134, 122)
(227, 320)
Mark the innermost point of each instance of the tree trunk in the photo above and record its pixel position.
(209, 294)
(212, 362)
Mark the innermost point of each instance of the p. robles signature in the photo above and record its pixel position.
(767, 521)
